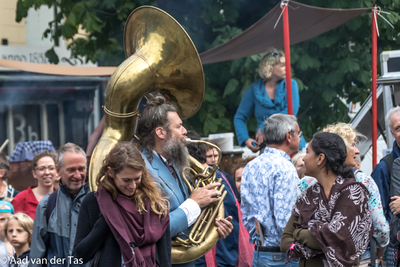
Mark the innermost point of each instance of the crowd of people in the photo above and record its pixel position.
(280, 209)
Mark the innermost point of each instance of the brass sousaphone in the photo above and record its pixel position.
(160, 57)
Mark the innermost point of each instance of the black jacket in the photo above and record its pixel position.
(93, 234)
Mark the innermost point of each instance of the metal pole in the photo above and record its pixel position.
(286, 41)
(61, 123)
(387, 105)
(44, 122)
(96, 106)
(374, 76)
(10, 129)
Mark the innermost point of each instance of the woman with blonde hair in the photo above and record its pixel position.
(266, 96)
(127, 216)
(350, 137)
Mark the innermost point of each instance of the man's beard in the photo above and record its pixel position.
(178, 153)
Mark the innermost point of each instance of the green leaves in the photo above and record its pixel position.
(332, 65)
(52, 56)
(231, 86)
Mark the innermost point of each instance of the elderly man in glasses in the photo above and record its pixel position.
(268, 190)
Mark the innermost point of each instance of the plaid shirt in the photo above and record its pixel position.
(28, 150)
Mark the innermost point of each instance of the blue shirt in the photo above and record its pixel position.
(227, 253)
(256, 100)
(268, 192)
(381, 176)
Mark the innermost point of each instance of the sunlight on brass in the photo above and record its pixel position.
(160, 59)
(204, 234)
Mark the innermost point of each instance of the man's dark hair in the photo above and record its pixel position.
(154, 115)
(4, 165)
(197, 151)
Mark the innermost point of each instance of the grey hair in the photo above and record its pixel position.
(276, 127)
(68, 147)
(391, 112)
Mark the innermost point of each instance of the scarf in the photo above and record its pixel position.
(135, 233)
(262, 97)
(341, 225)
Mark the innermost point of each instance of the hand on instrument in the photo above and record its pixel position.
(225, 227)
(252, 144)
(259, 136)
(206, 195)
(395, 205)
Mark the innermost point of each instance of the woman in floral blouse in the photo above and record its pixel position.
(330, 224)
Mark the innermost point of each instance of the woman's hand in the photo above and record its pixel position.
(259, 136)
(395, 205)
(250, 144)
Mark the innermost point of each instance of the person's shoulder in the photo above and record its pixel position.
(90, 197)
(90, 200)
(20, 196)
(306, 182)
(353, 187)
(363, 178)
(45, 200)
(381, 166)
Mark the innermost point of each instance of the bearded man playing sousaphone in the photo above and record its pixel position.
(162, 138)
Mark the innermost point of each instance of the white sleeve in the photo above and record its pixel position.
(191, 209)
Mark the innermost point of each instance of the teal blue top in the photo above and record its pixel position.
(256, 100)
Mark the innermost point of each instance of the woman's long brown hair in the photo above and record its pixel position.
(127, 155)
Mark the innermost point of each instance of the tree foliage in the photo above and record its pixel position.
(331, 66)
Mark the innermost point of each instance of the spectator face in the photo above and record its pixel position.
(352, 152)
(295, 139)
(45, 172)
(212, 156)
(73, 171)
(279, 71)
(310, 162)
(395, 127)
(3, 219)
(128, 180)
(238, 178)
(16, 235)
(299, 164)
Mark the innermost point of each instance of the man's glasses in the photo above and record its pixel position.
(300, 134)
(43, 168)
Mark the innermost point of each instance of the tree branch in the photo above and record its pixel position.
(309, 106)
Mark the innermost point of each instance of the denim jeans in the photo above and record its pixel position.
(276, 259)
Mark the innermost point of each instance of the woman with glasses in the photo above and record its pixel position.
(44, 171)
(266, 96)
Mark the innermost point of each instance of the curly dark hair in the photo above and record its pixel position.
(335, 151)
(154, 115)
